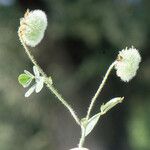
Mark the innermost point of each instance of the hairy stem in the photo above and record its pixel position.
(99, 90)
(31, 57)
(49, 85)
(55, 92)
(82, 139)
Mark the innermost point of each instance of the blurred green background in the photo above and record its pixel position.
(82, 39)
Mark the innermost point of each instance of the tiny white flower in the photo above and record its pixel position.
(127, 63)
(39, 82)
(32, 27)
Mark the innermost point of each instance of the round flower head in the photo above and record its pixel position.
(32, 27)
(127, 63)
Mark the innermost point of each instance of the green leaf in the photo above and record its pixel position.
(91, 123)
(110, 104)
(24, 79)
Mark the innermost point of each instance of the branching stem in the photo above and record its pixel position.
(99, 90)
(62, 100)
(83, 128)
(49, 85)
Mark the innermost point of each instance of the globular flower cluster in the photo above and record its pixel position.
(32, 27)
(127, 63)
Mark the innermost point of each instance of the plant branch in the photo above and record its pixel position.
(99, 89)
(82, 139)
(49, 85)
(31, 57)
(61, 99)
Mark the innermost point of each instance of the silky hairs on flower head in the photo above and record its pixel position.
(127, 63)
(32, 27)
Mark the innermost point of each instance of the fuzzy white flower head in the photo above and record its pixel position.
(32, 27)
(127, 63)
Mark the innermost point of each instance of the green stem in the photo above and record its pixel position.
(49, 85)
(99, 89)
(31, 57)
(55, 92)
(82, 139)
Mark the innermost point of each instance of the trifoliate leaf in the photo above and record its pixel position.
(24, 79)
(91, 123)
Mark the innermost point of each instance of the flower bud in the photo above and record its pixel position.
(32, 27)
(127, 63)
